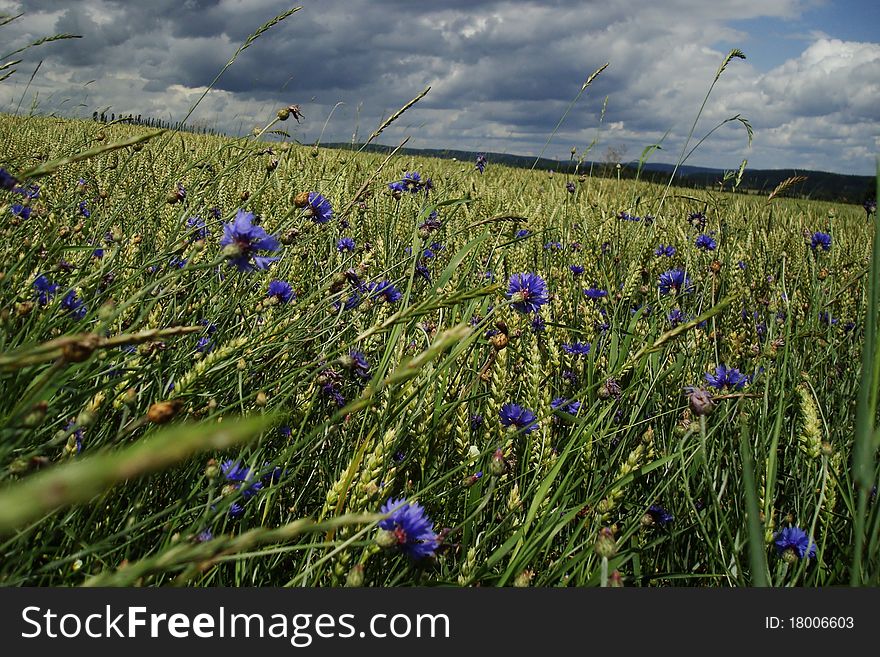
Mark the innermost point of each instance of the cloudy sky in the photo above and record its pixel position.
(502, 73)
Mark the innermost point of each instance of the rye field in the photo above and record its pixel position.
(240, 362)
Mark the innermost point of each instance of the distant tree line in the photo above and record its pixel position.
(152, 122)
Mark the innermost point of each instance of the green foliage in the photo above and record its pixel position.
(447, 351)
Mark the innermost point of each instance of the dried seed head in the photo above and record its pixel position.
(163, 411)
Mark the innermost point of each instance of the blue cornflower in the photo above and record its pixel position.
(197, 228)
(676, 317)
(476, 421)
(7, 180)
(538, 324)
(569, 187)
(726, 377)
(595, 293)
(527, 292)
(205, 536)
(242, 239)
(241, 477)
(28, 191)
(795, 539)
(674, 279)
(820, 240)
(386, 290)
(345, 244)
(577, 348)
(481, 163)
(870, 205)
(553, 246)
(626, 216)
(73, 305)
(319, 208)
(77, 436)
(411, 531)
(23, 211)
(659, 515)
(514, 415)
(432, 223)
(697, 220)
(705, 242)
(349, 304)
(357, 363)
(204, 345)
(45, 288)
(84, 210)
(572, 407)
(281, 290)
(522, 233)
(423, 271)
(665, 250)
(576, 270)
(176, 262)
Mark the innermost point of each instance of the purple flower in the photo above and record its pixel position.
(242, 239)
(577, 348)
(345, 244)
(45, 288)
(522, 233)
(357, 363)
(7, 180)
(572, 407)
(527, 292)
(697, 220)
(664, 250)
(595, 293)
(660, 515)
(674, 280)
(676, 317)
(281, 290)
(706, 243)
(725, 377)
(84, 210)
(514, 415)
(576, 270)
(820, 240)
(796, 540)
(197, 226)
(410, 527)
(553, 246)
(22, 211)
(319, 208)
(569, 187)
(481, 163)
(386, 290)
(626, 216)
(538, 324)
(74, 305)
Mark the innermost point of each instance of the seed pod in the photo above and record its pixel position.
(163, 411)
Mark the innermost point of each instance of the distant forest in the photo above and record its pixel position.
(819, 185)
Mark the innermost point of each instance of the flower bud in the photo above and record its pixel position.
(355, 576)
(615, 581)
(212, 470)
(606, 544)
(701, 402)
(301, 200)
(283, 114)
(163, 411)
(386, 539)
(524, 579)
(497, 466)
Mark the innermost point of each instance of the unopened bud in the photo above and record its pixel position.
(163, 411)
(606, 544)
(355, 576)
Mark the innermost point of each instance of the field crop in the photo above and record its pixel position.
(248, 362)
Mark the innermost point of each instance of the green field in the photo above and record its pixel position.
(166, 420)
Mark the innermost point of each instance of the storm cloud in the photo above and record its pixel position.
(502, 74)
